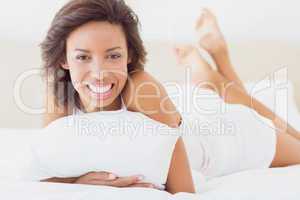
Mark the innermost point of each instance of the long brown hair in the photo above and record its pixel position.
(73, 15)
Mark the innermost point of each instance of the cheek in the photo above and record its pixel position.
(122, 74)
(77, 75)
(120, 64)
(122, 79)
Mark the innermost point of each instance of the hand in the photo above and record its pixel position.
(105, 179)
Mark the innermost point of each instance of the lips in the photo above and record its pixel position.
(100, 91)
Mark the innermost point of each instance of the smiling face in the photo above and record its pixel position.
(97, 58)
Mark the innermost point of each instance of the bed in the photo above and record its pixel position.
(275, 184)
(260, 184)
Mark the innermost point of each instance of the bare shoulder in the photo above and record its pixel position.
(53, 111)
(143, 93)
(142, 77)
(139, 82)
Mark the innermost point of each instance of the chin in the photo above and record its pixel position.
(102, 105)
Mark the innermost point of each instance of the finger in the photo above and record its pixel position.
(119, 182)
(101, 176)
(143, 185)
(126, 181)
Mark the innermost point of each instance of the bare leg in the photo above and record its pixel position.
(212, 40)
(204, 75)
(287, 148)
(287, 151)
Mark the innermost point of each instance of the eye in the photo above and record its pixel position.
(82, 57)
(114, 56)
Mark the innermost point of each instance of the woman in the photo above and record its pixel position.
(152, 100)
(91, 52)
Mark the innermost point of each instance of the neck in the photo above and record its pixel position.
(115, 105)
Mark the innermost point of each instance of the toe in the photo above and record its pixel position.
(200, 19)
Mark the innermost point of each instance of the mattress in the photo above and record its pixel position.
(275, 184)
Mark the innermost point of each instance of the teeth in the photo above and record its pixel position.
(100, 89)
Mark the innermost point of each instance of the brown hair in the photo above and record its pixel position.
(73, 15)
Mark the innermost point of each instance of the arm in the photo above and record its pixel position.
(103, 179)
(146, 95)
(179, 177)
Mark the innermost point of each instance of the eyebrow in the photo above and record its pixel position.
(82, 50)
(108, 50)
(114, 48)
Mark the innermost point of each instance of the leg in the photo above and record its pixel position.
(205, 76)
(212, 40)
(287, 151)
(288, 146)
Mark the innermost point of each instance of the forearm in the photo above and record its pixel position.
(180, 177)
(60, 180)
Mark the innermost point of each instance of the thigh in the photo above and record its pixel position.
(287, 151)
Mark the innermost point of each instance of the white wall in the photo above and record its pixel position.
(252, 19)
(27, 20)
(258, 19)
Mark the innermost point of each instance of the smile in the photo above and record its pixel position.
(100, 92)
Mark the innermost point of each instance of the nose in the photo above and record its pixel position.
(98, 69)
(97, 66)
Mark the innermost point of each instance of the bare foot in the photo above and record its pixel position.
(212, 40)
(210, 36)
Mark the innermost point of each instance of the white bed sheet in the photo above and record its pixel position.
(262, 184)
(275, 184)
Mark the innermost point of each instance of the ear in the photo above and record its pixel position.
(65, 66)
(129, 60)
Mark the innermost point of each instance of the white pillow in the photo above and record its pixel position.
(15, 152)
(125, 143)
